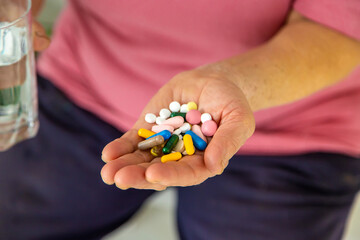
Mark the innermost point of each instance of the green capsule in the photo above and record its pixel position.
(175, 114)
(171, 143)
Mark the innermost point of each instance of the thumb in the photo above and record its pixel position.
(235, 128)
(41, 40)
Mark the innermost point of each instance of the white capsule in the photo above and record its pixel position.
(174, 106)
(184, 108)
(180, 137)
(185, 127)
(177, 131)
(150, 118)
(205, 117)
(159, 120)
(165, 113)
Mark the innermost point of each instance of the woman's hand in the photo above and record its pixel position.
(129, 167)
(40, 40)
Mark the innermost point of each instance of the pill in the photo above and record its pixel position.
(175, 114)
(174, 122)
(198, 142)
(209, 128)
(144, 133)
(189, 145)
(164, 113)
(184, 108)
(180, 147)
(197, 130)
(193, 117)
(159, 120)
(156, 151)
(159, 128)
(180, 137)
(205, 117)
(174, 106)
(165, 133)
(177, 131)
(184, 153)
(171, 157)
(191, 106)
(170, 144)
(150, 118)
(151, 142)
(185, 127)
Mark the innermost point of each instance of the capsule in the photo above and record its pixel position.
(156, 151)
(151, 142)
(179, 146)
(165, 133)
(171, 157)
(171, 143)
(189, 145)
(144, 133)
(175, 114)
(198, 142)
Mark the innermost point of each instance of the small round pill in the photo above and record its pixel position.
(165, 113)
(185, 127)
(150, 118)
(159, 120)
(193, 117)
(205, 117)
(174, 106)
(208, 128)
(191, 106)
(184, 108)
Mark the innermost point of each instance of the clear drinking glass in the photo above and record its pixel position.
(18, 95)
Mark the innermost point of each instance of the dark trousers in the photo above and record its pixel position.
(50, 188)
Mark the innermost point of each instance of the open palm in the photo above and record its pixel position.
(128, 167)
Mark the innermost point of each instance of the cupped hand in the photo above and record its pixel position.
(128, 167)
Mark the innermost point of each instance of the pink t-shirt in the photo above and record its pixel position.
(110, 57)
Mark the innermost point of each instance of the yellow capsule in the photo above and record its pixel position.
(171, 157)
(192, 106)
(144, 133)
(189, 145)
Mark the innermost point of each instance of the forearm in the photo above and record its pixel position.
(36, 6)
(301, 59)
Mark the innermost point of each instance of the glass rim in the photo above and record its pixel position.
(26, 12)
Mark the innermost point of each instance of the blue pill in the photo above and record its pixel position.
(198, 142)
(165, 133)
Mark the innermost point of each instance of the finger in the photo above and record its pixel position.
(190, 170)
(235, 128)
(110, 169)
(41, 40)
(121, 146)
(134, 177)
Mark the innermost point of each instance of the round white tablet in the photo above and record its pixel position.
(205, 117)
(150, 118)
(160, 120)
(165, 113)
(184, 108)
(174, 106)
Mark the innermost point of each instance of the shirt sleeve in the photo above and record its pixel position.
(341, 15)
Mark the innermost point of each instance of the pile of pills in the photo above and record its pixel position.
(177, 131)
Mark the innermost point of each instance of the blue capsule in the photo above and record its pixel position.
(198, 142)
(165, 133)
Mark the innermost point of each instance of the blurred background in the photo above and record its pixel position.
(156, 219)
